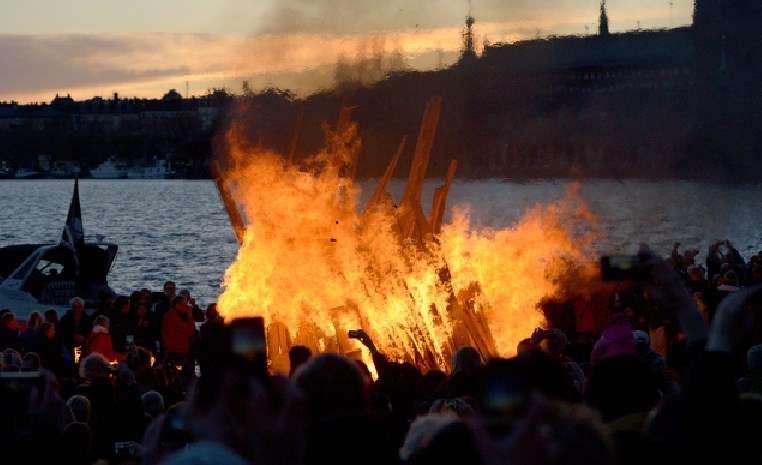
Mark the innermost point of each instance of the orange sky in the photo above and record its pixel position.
(87, 49)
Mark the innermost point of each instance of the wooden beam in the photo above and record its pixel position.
(345, 117)
(440, 199)
(227, 200)
(295, 136)
(380, 192)
(413, 223)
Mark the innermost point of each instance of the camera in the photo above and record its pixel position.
(624, 268)
(355, 333)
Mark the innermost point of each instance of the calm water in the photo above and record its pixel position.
(179, 230)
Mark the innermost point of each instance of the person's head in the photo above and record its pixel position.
(11, 360)
(80, 407)
(140, 309)
(621, 385)
(697, 274)
(93, 366)
(185, 293)
(440, 438)
(179, 302)
(122, 304)
(34, 321)
(30, 362)
(211, 312)
(298, 355)
(756, 273)
(77, 306)
(730, 278)
(78, 441)
(51, 315)
(170, 289)
(524, 345)
(467, 359)
(48, 330)
(8, 320)
(106, 297)
(332, 384)
(102, 321)
(153, 403)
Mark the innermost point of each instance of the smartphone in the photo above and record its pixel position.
(15, 390)
(248, 345)
(130, 339)
(505, 395)
(623, 268)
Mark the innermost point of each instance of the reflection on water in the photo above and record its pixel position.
(178, 229)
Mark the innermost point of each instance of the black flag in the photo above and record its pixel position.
(73, 234)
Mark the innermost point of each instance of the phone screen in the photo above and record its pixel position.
(248, 344)
(621, 268)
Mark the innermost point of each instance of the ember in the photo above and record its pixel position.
(315, 266)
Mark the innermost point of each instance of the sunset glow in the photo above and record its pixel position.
(284, 45)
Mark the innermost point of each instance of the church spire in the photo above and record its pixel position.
(603, 23)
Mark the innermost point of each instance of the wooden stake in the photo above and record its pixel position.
(295, 136)
(380, 192)
(440, 199)
(227, 199)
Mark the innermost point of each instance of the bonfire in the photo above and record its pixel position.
(315, 264)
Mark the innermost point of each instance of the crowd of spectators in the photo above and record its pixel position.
(669, 372)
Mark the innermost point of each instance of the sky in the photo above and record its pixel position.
(143, 48)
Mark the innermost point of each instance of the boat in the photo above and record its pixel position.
(6, 172)
(64, 169)
(47, 276)
(112, 168)
(160, 169)
(27, 173)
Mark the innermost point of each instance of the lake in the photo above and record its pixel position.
(178, 229)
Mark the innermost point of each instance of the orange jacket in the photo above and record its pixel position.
(100, 341)
(176, 332)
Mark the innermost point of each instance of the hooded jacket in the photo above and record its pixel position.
(616, 339)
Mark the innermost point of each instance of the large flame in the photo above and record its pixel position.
(315, 266)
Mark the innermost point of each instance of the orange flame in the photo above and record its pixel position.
(315, 268)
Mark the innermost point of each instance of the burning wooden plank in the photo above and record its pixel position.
(413, 224)
(227, 200)
(295, 136)
(440, 199)
(380, 193)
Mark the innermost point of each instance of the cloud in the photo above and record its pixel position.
(296, 44)
(66, 62)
